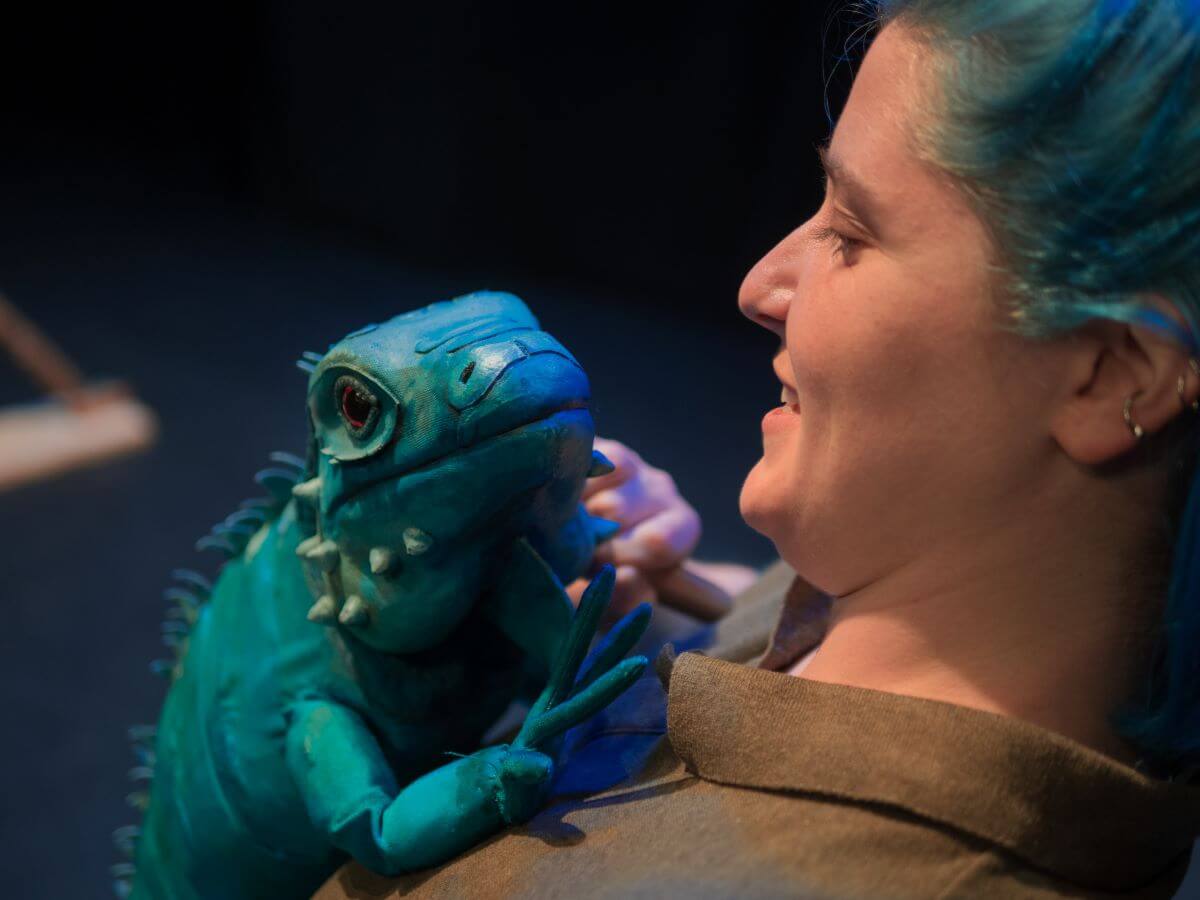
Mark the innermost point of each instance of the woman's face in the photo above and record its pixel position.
(915, 420)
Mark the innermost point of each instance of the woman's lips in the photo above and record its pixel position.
(783, 416)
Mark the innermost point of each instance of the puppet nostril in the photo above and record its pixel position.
(466, 373)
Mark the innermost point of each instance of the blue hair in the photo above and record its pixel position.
(1073, 128)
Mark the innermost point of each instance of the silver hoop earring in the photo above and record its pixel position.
(1194, 365)
(1194, 406)
(1136, 429)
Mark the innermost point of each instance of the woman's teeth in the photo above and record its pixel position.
(788, 397)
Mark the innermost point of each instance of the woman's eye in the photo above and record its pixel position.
(842, 244)
(358, 406)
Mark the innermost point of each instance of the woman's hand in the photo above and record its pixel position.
(659, 530)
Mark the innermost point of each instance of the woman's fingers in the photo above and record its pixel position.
(662, 541)
(658, 529)
(732, 578)
(627, 464)
(575, 590)
(630, 589)
(632, 484)
(627, 504)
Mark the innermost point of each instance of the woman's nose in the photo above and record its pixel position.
(767, 290)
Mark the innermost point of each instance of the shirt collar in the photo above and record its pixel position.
(1052, 802)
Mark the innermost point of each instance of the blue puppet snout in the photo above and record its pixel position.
(505, 384)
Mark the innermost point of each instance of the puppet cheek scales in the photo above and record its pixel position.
(416, 541)
(381, 560)
(324, 611)
(355, 612)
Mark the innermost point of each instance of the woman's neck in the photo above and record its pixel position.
(1042, 621)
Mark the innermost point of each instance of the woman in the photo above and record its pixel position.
(984, 456)
(969, 494)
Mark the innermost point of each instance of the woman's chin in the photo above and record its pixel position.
(760, 500)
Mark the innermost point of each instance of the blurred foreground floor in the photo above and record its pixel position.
(204, 309)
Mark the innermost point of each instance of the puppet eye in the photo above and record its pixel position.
(358, 406)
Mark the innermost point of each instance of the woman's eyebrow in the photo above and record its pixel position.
(849, 187)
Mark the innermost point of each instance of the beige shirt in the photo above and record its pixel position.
(768, 785)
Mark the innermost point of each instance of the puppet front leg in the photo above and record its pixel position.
(352, 795)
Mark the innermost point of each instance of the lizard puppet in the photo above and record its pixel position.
(380, 613)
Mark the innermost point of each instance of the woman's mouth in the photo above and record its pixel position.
(786, 413)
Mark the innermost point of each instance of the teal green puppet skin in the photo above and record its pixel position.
(329, 695)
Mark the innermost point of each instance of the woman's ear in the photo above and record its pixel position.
(1110, 361)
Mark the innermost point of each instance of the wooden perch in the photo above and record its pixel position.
(78, 425)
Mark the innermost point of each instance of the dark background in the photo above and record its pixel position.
(193, 194)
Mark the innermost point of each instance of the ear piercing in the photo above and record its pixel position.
(1135, 428)
(1180, 384)
(1194, 364)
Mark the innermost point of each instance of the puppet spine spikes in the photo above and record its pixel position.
(175, 626)
(138, 800)
(278, 482)
(253, 516)
(239, 533)
(125, 838)
(217, 542)
(287, 460)
(173, 642)
(163, 668)
(202, 585)
(233, 533)
(308, 360)
(144, 755)
(186, 605)
(182, 598)
(142, 733)
(122, 874)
